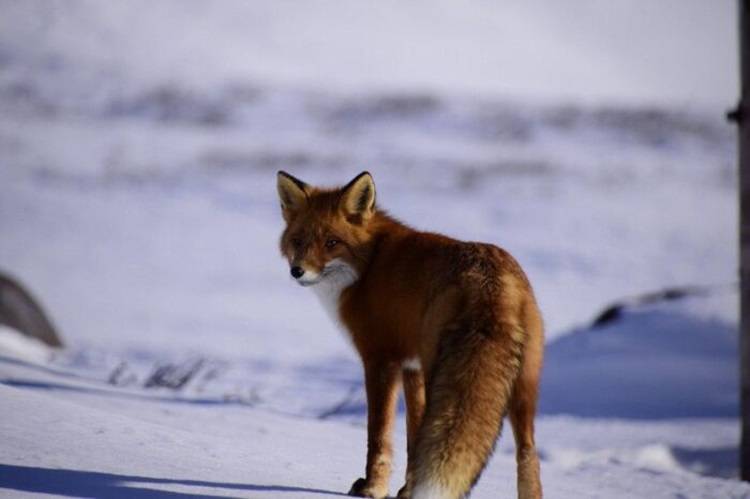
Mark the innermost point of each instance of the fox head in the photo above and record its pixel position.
(327, 230)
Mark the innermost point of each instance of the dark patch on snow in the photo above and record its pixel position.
(368, 109)
(268, 160)
(170, 103)
(722, 462)
(77, 483)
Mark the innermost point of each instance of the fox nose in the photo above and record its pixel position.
(297, 272)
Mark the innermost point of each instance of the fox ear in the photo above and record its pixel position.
(292, 193)
(358, 196)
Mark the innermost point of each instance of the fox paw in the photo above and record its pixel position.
(404, 492)
(361, 488)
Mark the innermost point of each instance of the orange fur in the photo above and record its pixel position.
(465, 310)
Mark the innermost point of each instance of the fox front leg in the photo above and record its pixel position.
(381, 383)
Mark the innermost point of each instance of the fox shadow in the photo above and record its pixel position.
(76, 483)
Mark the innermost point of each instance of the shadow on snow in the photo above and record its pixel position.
(651, 364)
(75, 483)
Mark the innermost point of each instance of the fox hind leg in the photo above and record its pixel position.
(523, 409)
(414, 395)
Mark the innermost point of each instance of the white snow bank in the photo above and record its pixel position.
(657, 362)
(18, 345)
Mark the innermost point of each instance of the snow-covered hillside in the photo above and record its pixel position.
(677, 51)
(138, 150)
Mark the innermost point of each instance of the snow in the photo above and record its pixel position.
(651, 352)
(138, 150)
(674, 50)
(17, 346)
(68, 435)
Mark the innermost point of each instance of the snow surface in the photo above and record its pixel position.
(680, 51)
(138, 151)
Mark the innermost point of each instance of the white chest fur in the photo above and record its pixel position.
(336, 276)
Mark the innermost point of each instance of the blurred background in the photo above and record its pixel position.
(139, 143)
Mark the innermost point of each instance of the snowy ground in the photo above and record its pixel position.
(140, 207)
(68, 435)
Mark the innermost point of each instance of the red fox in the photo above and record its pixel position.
(455, 322)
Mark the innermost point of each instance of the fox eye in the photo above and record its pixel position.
(331, 243)
(296, 242)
